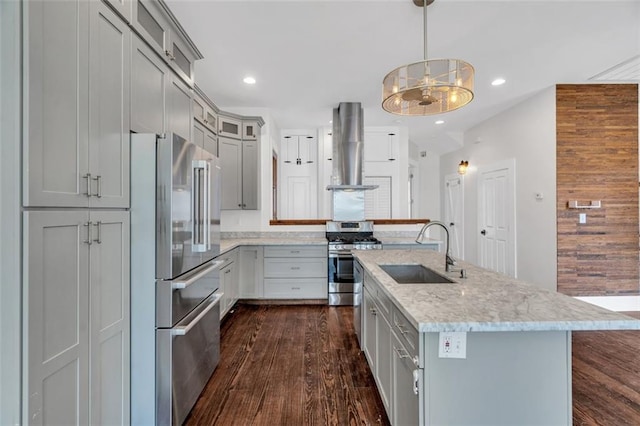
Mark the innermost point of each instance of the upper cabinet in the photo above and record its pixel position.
(122, 7)
(76, 147)
(380, 145)
(204, 112)
(155, 22)
(150, 78)
(229, 127)
(250, 131)
(179, 108)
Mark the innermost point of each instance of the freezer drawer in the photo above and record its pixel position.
(176, 298)
(187, 355)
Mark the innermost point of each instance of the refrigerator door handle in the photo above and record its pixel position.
(195, 190)
(182, 330)
(178, 285)
(207, 207)
(199, 205)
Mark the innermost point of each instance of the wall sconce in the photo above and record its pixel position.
(462, 167)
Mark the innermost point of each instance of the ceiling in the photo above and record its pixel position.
(307, 56)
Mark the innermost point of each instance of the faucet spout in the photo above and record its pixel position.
(448, 260)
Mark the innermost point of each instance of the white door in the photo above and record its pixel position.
(496, 218)
(454, 213)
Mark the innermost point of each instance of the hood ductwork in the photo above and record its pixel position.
(348, 147)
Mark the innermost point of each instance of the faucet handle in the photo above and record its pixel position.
(450, 260)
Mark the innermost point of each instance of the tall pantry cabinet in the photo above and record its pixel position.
(76, 219)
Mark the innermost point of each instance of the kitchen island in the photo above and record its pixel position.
(515, 339)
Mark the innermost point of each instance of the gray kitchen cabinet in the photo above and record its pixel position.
(377, 339)
(179, 108)
(230, 153)
(204, 112)
(109, 318)
(149, 83)
(250, 130)
(250, 272)
(295, 272)
(205, 138)
(157, 25)
(229, 127)
(250, 165)
(406, 386)
(228, 283)
(76, 145)
(109, 118)
(77, 291)
(239, 163)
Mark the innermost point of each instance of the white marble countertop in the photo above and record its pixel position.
(229, 244)
(406, 240)
(485, 300)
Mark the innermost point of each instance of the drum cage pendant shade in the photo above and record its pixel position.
(428, 87)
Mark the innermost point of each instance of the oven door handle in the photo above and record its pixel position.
(178, 285)
(340, 255)
(182, 330)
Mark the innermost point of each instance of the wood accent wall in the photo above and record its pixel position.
(597, 159)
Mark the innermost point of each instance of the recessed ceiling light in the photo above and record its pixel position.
(249, 80)
(498, 82)
(440, 122)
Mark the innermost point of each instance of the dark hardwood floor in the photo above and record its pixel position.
(300, 365)
(606, 377)
(289, 365)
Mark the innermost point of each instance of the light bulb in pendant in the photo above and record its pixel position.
(454, 97)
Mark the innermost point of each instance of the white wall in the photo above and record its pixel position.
(526, 133)
(10, 248)
(429, 187)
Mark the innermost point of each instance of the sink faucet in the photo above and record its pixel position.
(448, 260)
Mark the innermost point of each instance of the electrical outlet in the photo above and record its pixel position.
(582, 218)
(452, 344)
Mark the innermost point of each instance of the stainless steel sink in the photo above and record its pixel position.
(414, 274)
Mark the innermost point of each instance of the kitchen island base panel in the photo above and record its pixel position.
(507, 378)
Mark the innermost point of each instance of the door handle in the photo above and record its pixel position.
(483, 232)
(451, 223)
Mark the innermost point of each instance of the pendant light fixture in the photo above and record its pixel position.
(430, 86)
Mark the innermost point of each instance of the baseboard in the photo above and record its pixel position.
(614, 303)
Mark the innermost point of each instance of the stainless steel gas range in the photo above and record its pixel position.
(344, 237)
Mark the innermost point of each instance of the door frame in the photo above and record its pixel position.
(510, 166)
(459, 227)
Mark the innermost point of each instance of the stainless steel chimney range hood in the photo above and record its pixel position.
(348, 148)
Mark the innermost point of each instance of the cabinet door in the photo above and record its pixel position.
(250, 272)
(56, 321)
(227, 288)
(250, 165)
(229, 127)
(380, 146)
(210, 142)
(230, 153)
(56, 140)
(250, 130)
(369, 316)
(149, 81)
(406, 409)
(180, 108)
(109, 318)
(198, 134)
(109, 42)
(383, 358)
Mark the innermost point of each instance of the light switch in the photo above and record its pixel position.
(582, 218)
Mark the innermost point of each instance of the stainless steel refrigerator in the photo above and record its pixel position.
(175, 309)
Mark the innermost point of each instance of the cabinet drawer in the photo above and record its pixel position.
(296, 251)
(405, 331)
(384, 304)
(295, 268)
(295, 288)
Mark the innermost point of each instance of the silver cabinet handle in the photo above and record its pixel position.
(295, 288)
(373, 311)
(192, 279)
(416, 381)
(295, 268)
(402, 352)
(98, 226)
(98, 180)
(182, 330)
(294, 251)
(89, 240)
(169, 55)
(401, 328)
(88, 178)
